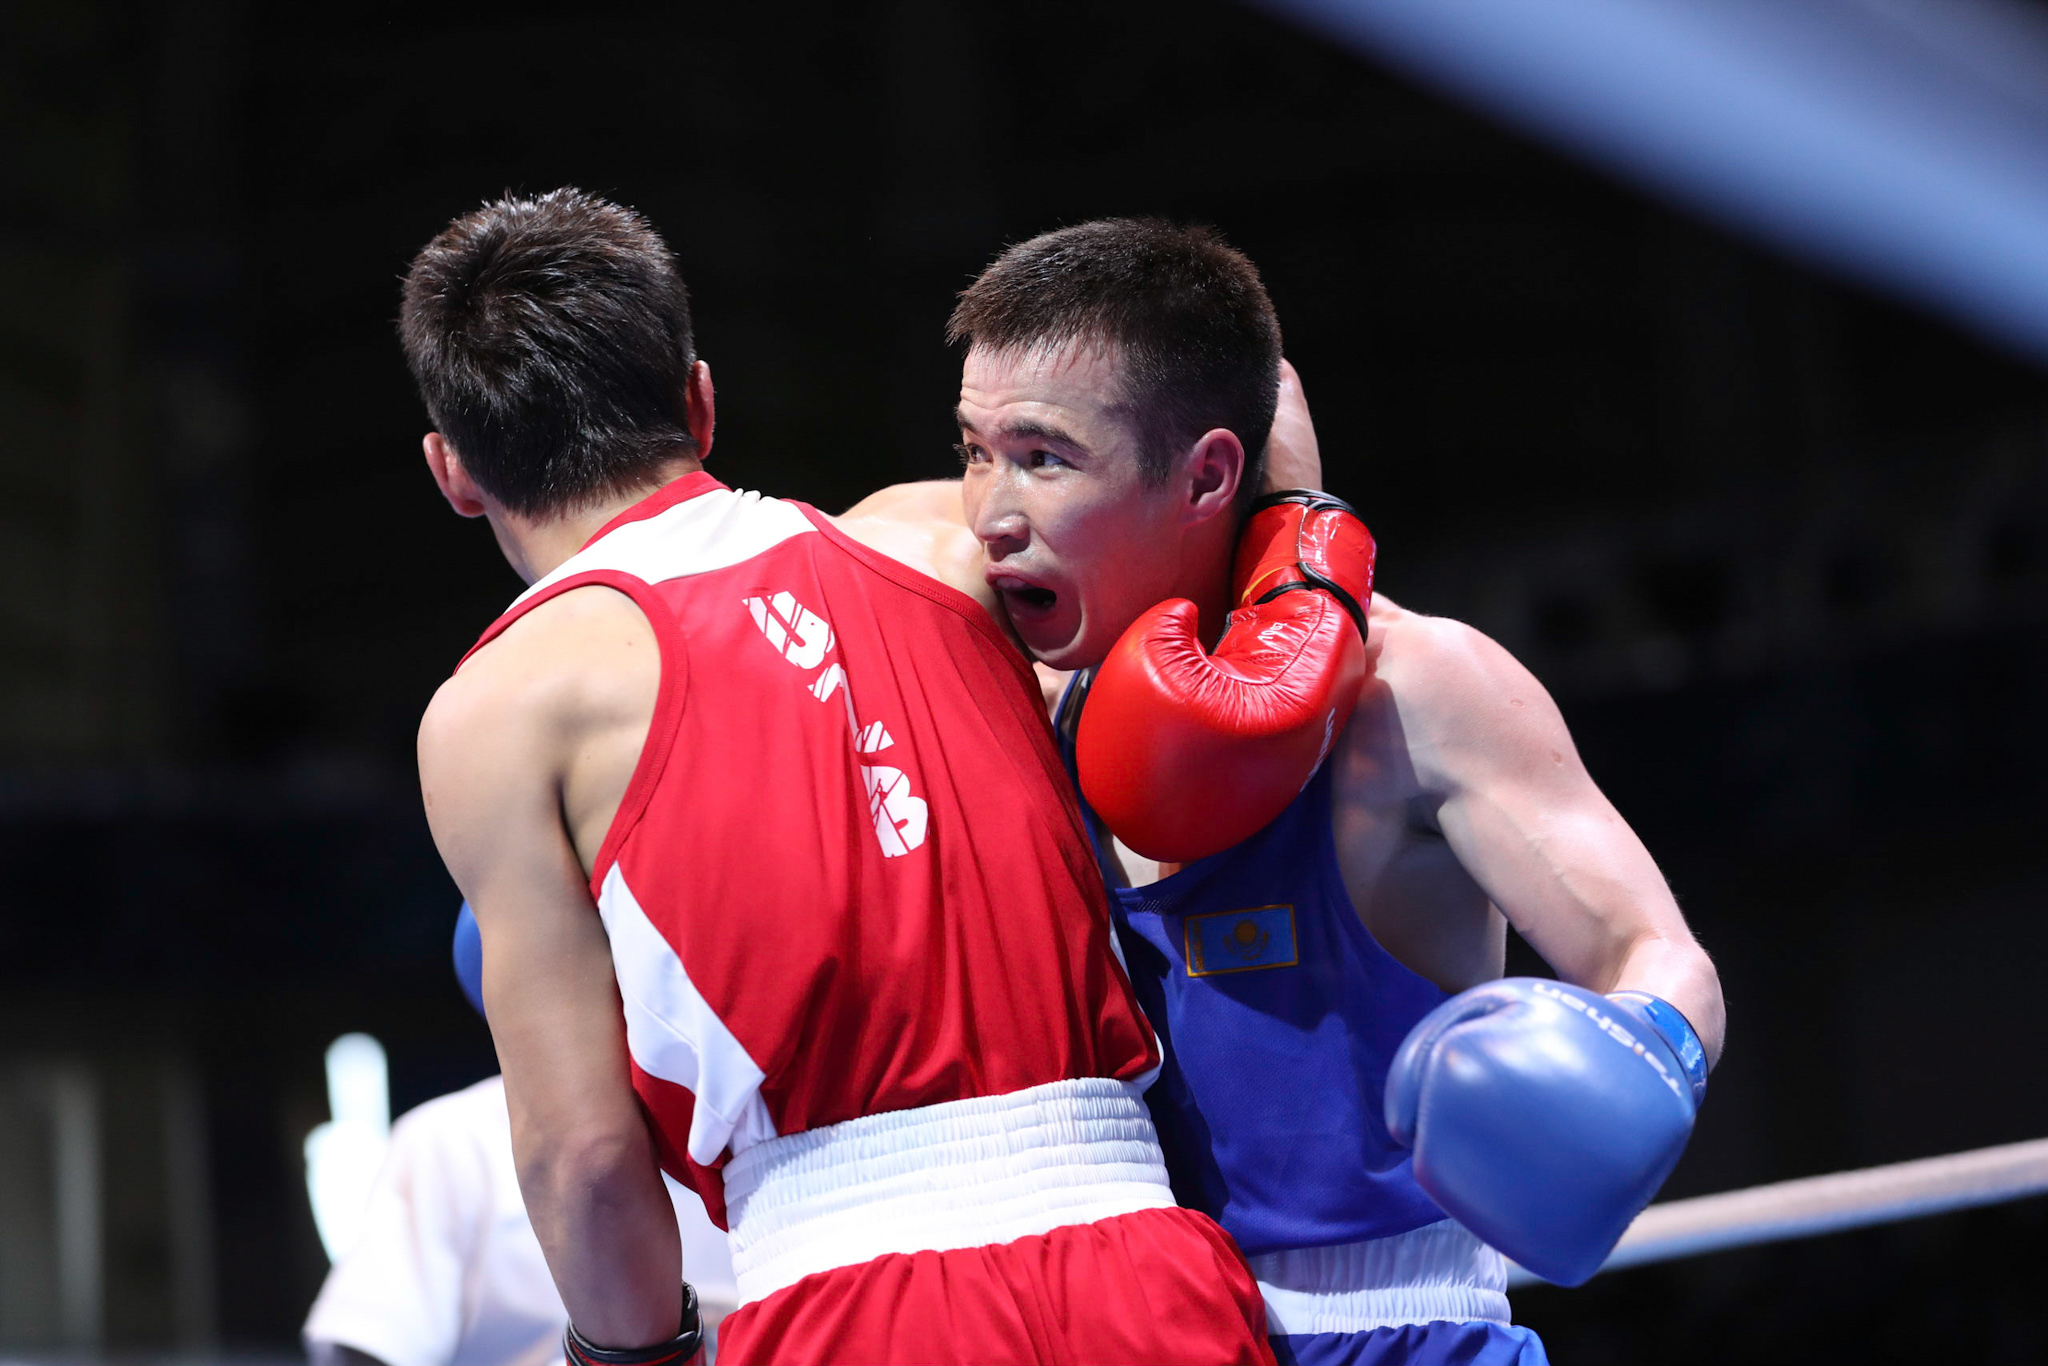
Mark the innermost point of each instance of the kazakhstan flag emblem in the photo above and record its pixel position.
(1241, 941)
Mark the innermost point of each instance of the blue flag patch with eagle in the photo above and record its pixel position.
(1241, 941)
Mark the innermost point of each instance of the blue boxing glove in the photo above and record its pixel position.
(469, 957)
(1543, 1116)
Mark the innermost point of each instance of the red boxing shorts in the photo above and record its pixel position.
(1161, 1286)
(1032, 1227)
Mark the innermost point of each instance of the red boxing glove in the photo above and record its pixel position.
(1183, 753)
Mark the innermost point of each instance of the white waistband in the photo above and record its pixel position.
(1437, 1272)
(968, 1173)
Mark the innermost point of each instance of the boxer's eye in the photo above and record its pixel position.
(1044, 459)
(969, 455)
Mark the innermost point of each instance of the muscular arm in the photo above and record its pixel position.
(517, 755)
(1519, 811)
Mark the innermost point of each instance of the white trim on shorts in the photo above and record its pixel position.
(966, 1173)
(1431, 1274)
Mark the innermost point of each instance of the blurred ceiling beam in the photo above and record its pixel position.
(1902, 142)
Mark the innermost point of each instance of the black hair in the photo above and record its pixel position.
(550, 339)
(1185, 313)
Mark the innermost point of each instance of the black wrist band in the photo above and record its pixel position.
(1313, 499)
(687, 1342)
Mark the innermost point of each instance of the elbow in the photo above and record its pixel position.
(1679, 971)
(586, 1169)
(1704, 1005)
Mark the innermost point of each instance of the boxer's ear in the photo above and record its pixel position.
(700, 407)
(1214, 466)
(451, 477)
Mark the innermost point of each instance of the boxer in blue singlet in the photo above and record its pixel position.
(1283, 1016)
(1120, 382)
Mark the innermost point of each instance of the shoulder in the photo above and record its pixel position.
(928, 500)
(1455, 695)
(582, 655)
(1440, 656)
(922, 525)
(552, 656)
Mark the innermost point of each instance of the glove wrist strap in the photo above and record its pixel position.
(1313, 500)
(683, 1347)
(1671, 1026)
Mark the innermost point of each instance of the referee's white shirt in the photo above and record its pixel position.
(447, 1271)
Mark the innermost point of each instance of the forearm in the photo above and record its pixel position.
(1585, 894)
(587, 1165)
(1680, 972)
(606, 1224)
(1293, 458)
(1600, 914)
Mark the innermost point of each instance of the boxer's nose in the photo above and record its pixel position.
(998, 519)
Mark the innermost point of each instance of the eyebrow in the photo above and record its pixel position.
(1021, 431)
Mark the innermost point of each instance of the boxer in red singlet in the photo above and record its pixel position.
(780, 882)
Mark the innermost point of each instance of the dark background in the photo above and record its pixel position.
(1779, 547)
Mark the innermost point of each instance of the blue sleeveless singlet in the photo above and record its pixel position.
(1280, 1014)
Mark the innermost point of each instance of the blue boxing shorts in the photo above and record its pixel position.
(1415, 1344)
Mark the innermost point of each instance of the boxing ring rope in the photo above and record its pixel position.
(1814, 1205)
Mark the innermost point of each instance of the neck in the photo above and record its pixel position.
(537, 546)
(1210, 591)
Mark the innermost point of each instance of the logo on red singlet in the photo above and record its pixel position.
(805, 639)
(798, 634)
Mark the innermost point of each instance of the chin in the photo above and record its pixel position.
(1072, 653)
(1052, 656)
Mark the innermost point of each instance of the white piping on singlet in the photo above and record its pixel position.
(1430, 1274)
(716, 529)
(966, 1173)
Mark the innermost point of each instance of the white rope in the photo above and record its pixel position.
(1827, 1204)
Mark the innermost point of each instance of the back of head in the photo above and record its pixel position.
(550, 338)
(1186, 314)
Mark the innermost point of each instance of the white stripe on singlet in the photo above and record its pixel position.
(673, 1033)
(713, 530)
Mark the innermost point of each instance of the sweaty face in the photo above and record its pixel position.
(1078, 542)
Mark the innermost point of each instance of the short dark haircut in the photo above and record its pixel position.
(1185, 313)
(550, 338)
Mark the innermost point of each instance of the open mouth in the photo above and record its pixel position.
(1029, 606)
(1026, 601)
